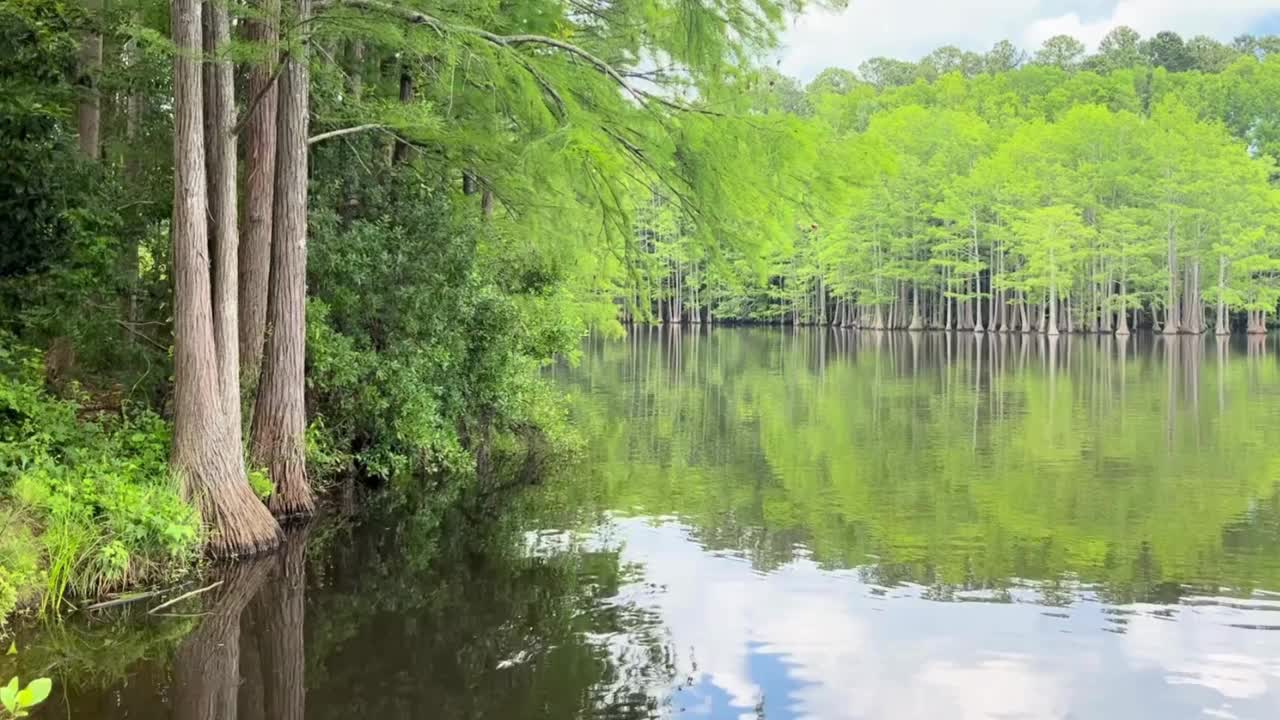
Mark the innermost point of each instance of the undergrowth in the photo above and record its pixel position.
(87, 504)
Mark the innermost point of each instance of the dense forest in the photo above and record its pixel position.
(259, 253)
(1051, 192)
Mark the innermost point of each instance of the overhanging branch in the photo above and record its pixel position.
(344, 131)
(512, 42)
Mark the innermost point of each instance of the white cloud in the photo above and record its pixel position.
(908, 29)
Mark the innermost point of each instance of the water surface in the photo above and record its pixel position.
(788, 524)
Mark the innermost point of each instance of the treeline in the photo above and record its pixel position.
(1057, 193)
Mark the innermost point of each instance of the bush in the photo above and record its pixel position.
(425, 340)
(93, 493)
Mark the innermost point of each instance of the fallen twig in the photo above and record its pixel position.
(182, 597)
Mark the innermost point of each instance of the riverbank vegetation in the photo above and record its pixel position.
(256, 254)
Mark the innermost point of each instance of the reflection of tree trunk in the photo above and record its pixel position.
(250, 703)
(278, 614)
(206, 667)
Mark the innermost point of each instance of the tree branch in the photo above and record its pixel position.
(344, 131)
(514, 41)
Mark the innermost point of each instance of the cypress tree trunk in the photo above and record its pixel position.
(401, 152)
(133, 181)
(89, 109)
(279, 417)
(1052, 327)
(1223, 325)
(1122, 325)
(260, 174)
(1171, 304)
(916, 322)
(205, 456)
(220, 153)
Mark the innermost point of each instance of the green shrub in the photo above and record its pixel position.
(94, 492)
(426, 334)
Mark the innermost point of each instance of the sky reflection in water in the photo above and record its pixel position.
(834, 525)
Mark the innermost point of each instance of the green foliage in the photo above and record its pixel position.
(18, 702)
(94, 491)
(934, 181)
(261, 483)
(37, 170)
(425, 334)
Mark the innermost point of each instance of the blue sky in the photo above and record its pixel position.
(910, 28)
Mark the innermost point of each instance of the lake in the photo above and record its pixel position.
(777, 523)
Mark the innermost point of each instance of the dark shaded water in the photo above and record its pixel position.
(781, 524)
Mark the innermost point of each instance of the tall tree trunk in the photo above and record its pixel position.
(205, 456)
(401, 152)
(916, 322)
(133, 180)
(355, 88)
(220, 153)
(1122, 325)
(89, 108)
(279, 416)
(260, 174)
(1051, 328)
(1223, 325)
(1171, 305)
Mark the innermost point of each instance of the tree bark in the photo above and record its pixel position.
(279, 417)
(220, 153)
(260, 173)
(1052, 327)
(916, 322)
(401, 152)
(205, 456)
(89, 109)
(133, 180)
(1122, 324)
(1171, 306)
(1222, 326)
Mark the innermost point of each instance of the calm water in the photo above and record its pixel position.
(782, 524)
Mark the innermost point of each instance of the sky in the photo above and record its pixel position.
(909, 29)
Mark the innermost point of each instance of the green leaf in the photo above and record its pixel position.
(9, 696)
(39, 689)
(13, 648)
